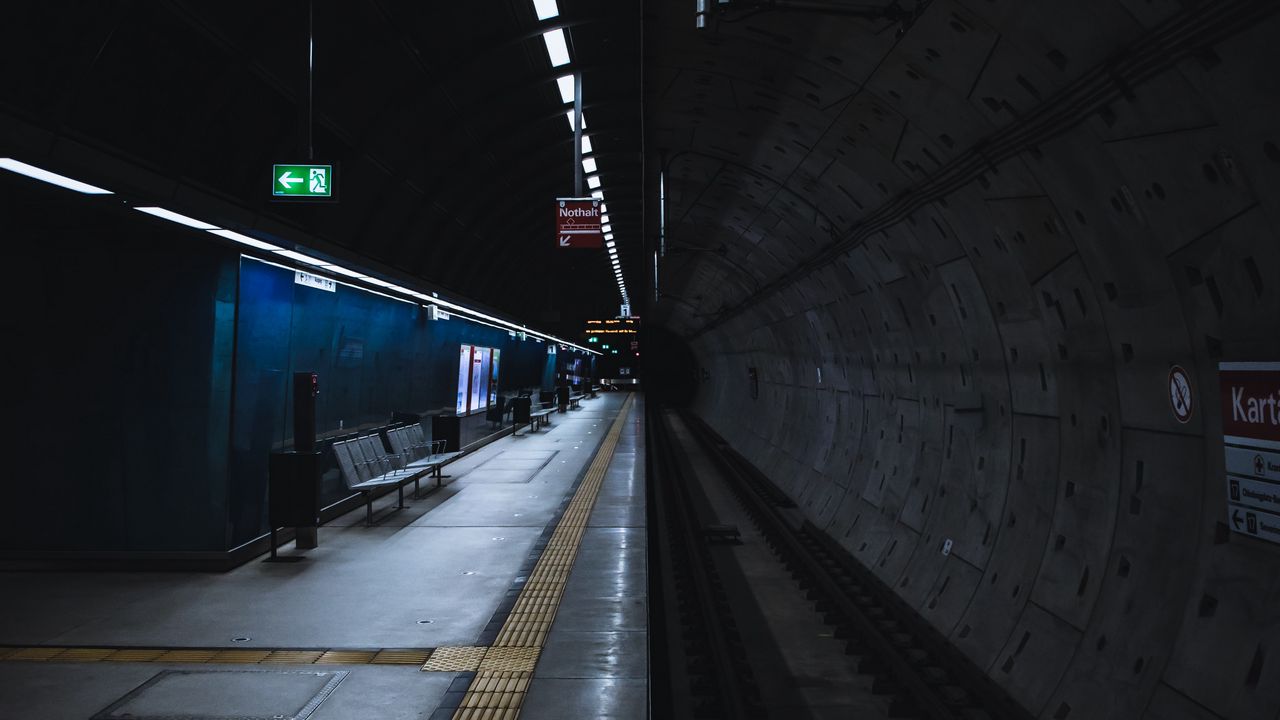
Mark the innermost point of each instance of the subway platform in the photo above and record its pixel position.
(519, 588)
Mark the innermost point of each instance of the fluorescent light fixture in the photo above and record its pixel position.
(545, 9)
(701, 5)
(43, 175)
(608, 236)
(610, 243)
(565, 83)
(302, 258)
(597, 194)
(589, 165)
(604, 218)
(616, 262)
(379, 282)
(586, 144)
(343, 271)
(172, 216)
(593, 182)
(604, 208)
(557, 50)
(606, 228)
(245, 240)
(702, 21)
(569, 116)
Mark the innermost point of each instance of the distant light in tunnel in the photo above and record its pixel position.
(557, 49)
(565, 83)
(172, 216)
(52, 178)
(593, 182)
(589, 165)
(545, 9)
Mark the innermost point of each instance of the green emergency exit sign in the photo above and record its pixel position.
(302, 181)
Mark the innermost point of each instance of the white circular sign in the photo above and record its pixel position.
(1180, 397)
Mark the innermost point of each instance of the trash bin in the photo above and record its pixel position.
(449, 429)
(520, 410)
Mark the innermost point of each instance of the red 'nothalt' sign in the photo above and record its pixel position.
(1251, 403)
(578, 223)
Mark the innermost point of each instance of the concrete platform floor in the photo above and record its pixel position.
(427, 576)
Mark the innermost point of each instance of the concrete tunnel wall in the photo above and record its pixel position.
(994, 366)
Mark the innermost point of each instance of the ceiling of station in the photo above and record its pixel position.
(444, 118)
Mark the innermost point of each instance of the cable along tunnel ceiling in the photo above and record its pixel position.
(444, 119)
(963, 262)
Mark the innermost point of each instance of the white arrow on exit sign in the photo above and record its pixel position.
(287, 179)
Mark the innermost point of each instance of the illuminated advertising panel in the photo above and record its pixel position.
(464, 376)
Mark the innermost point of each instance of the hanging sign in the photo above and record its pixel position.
(578, 223)
(300, 182)
(1251, 436)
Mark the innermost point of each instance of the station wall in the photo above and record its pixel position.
(147, 371)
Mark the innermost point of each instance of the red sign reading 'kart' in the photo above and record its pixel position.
(578, 223)
(1251, 403)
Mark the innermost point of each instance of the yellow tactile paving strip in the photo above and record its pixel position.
(499, 687)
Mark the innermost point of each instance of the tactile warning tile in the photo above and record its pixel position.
(510, 659)
(136, 655)
(400, 657)
(292, 657)
(35, 653)
(240, 657)
(85, 654)
(346, 657)
(455, 659)
(186, 656)
(494, 696)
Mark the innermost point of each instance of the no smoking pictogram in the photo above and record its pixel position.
(1180, 397)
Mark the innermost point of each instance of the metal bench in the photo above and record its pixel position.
(538, 418)
(410, 443)
(365, 466)
(575, 401)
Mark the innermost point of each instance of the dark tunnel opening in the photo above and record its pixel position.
(669, 373)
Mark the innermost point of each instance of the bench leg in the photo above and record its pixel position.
(368, 508)
(416, 488)
(400, 492)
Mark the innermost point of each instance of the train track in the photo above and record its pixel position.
(912, 664)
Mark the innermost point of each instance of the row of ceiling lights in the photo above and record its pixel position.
(558, 53)
(63, 181)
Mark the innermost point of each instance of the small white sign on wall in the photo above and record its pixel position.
(314, 281)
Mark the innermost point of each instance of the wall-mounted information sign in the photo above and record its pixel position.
(1251, 433)
(578, 223)
(298, 182)
(314, 281)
